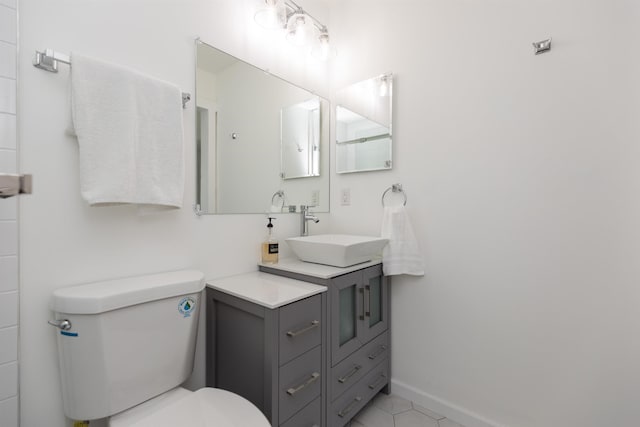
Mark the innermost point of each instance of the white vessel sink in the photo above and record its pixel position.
(338, 250)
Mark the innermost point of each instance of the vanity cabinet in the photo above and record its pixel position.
(273, 356)
(359, 310)
(358, 349)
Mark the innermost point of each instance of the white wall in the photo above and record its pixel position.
(520, 172)
(64, 242)
(8, 219)
(523, 187)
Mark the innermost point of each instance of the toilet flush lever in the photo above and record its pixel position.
(63, 324)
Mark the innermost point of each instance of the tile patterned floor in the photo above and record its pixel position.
(394, 411)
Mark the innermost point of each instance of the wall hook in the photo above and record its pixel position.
(542, 46)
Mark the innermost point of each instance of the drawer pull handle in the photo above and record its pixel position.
(361, 290)
(311, 380)
(382, 379)
(351, 373)
(378, 353)
(348, 409)
(314, 324)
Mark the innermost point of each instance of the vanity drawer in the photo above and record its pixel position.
(309, 416)
(300, 382)
(352, 401)
(346, 373)
(300, 328)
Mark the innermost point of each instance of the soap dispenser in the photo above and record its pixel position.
(270, 246)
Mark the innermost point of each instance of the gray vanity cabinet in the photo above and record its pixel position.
(275, 358)
(359, 322)
(358, 350)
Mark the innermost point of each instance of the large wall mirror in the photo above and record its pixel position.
(262, 142)
(363, 125)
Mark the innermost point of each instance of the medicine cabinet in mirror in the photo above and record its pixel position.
(262, 142)
(363, 125)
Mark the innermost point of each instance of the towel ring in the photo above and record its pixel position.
(395, 188)
(280, 194)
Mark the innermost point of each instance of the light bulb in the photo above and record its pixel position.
(273, 15)
(322, 50)
(299, 29)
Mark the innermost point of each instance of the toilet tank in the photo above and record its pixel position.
(129, 341)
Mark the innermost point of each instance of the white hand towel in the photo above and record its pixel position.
(129, 129)
(402, 254)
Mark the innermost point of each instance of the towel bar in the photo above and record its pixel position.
(48, 60)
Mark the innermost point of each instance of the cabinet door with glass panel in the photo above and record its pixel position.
(376, 299)
(359, 310)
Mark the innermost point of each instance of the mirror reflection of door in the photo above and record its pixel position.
(300, 139)
(206, 144)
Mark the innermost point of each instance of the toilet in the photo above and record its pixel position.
(126, 345)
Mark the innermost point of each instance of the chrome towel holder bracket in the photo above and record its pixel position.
(542, 46)
(395, 188)
(278, 195)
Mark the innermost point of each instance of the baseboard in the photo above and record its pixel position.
(453, 412)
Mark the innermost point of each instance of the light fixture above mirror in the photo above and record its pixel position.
(300, 28)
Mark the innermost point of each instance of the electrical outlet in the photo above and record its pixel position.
(315, 198)
(345, 197)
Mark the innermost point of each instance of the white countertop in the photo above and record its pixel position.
(267, 290)
(294, 265)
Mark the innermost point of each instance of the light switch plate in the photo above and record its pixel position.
(345, 197)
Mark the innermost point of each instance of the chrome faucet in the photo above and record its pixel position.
(305, 216)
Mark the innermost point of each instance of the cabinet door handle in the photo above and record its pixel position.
(378, 353)
(368, 300)
(314, 324)
(311, 380)
(351, 373)
(382, 378)
(348, 409)
(361, 290)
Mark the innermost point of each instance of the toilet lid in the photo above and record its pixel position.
(207, 407)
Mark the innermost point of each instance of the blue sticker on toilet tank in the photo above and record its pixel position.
(186, 306)
(69, 334)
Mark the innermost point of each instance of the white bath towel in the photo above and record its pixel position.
(402, 254)
(129, 129)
